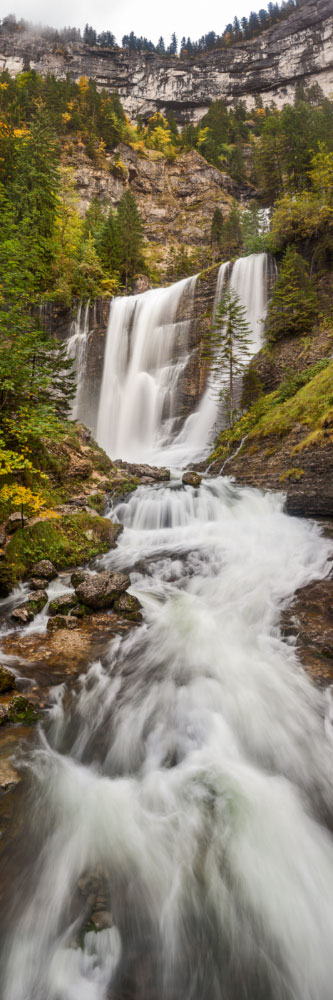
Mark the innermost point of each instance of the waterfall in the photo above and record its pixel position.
(146, 353)
(77, 347)
(146, 357)
(175, 828)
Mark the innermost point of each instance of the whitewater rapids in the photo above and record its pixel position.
(191, 768)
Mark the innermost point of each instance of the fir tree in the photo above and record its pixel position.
(294, 305)
(130, 237)
(229, 345)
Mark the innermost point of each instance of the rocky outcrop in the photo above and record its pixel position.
(296, 50)
(310, 621)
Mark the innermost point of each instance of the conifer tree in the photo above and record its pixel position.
(229, 345)
(294, 303)
(130, 237)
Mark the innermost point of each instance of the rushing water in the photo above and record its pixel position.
(145, 360)
(77, 347)
(176, 841)
(189, 773)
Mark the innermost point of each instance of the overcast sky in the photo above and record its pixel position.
(147, 17)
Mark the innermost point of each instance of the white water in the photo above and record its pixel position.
(77, 347)
(191, 769)
(141, 375)
(146, 356)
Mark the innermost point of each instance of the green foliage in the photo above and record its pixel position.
(294, 305)
(227, 345)
(67, 541)
(130, 230)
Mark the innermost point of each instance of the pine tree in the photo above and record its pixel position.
(216, 231)
(294, 305)
(130, 237)
(229, 344)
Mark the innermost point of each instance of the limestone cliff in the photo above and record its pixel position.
(297, 50)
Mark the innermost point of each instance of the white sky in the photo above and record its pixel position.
(146, 17)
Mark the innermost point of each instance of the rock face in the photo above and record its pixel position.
(297, 50)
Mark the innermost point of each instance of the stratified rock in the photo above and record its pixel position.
(191, 479)
(59, 621)
(63, 604)
(22, 710)
(129, 607)
(45, 569)
(145, 472)
(102, 590)
(7, 680)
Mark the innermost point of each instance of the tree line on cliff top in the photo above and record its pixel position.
(239, 30)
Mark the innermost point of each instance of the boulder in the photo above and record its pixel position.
(37, 584)
(78, 577)
(22, 615)
(102, 590)
(191, 479)
(129, 607)
(37, 601)
(60, 621)
(45, 569)
(63, 604)
(7, 680)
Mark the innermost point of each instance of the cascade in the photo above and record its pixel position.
(77, 346)
(175, 826)
(146, 357)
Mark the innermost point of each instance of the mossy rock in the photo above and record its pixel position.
(67, 541)
(37, 602)
(22, 710)
(62, 605)
(129, 607)
(7, 680)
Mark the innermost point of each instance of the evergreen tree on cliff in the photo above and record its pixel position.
(130, 231)
(228, 345)
(294, 305)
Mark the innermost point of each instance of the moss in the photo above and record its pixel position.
(67, 541)
(97, 502)
(22, 710)
(305, 399)
(295, 474)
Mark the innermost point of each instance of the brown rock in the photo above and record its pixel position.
(128, 606)
(22, 615)
(60, 621)
(191, 479)
(7, 680)
(45, 569)
(102, 920)
(101, 590)
(14, 522)
(37, 584)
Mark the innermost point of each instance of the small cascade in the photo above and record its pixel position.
(77, 347)
(146, 354)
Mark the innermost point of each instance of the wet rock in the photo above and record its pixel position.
(147, 472)
(9, 777)
(22, 710)
(7, 680)
(102, 920)
(37, 584)
(309, 619)
(78, 577)
(191, 479)
(14, 522)
(102, 590)
(37, 601)
(63, 604)
(129, 606)
(45, 569)
(22, 615)
(59, 621)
